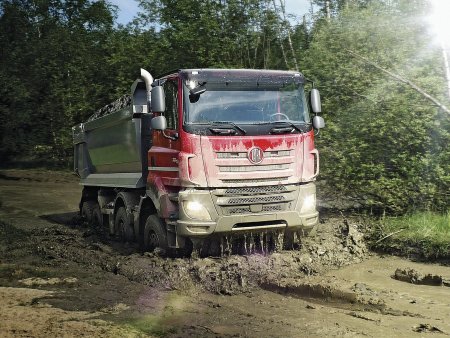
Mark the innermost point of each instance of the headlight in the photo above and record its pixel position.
(196, 210)
(309, 204)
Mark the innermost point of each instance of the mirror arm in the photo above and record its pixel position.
(316, 131)
(159, 82)
(170, 137)
(310, 81)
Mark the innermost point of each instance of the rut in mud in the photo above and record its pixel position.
(335, 243)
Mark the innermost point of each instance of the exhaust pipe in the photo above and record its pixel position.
(148, 79)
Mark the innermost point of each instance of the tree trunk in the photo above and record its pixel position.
(279, 38)
(327, 10)
(288, 29)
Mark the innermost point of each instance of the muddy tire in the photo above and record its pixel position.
(186, 251)
(155, 235)
(210, 247)
(123, 225)
(289, 240)
(90, 213)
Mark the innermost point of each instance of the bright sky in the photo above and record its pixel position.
(129, 8)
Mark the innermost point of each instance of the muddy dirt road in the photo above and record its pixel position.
(61, 279)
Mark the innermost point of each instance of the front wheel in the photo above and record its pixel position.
(155, 235)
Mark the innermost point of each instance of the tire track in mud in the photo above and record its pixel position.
(324, 293)
(334, 244)
(290, 273)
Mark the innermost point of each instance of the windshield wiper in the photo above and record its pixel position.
(288, 123)
(229, 123)
(282, 130)
(288, 129)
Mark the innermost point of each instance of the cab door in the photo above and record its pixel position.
(163, 155)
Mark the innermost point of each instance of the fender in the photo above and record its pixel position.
(159, 195)
(130, 200)
(146, 207)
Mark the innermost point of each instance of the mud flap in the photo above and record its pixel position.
(175, 241)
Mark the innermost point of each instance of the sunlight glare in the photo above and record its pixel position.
(439, 20)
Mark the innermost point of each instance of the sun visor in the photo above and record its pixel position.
(237, 76)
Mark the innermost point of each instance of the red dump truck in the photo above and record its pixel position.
(202, 154)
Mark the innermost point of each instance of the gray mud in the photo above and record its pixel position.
(61, 278)
(334, 244)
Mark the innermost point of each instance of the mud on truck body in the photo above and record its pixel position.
(202, 153)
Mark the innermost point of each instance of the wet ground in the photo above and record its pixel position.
(59, 278)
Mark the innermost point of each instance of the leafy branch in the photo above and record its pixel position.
(401, 79)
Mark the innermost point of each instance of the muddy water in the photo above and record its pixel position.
(330, 285)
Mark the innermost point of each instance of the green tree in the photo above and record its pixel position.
(53, 66)
(233, 33)
(385, 144)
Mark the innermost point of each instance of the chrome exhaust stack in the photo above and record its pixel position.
(148, 79)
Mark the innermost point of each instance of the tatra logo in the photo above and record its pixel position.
(255, 155)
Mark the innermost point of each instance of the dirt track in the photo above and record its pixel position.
(58, 278)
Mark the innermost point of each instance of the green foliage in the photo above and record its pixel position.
(424, 233)
(217, 34)
(50, 65)
(385, 144)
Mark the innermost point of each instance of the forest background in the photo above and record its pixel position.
(379, 68)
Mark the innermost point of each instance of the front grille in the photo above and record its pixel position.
(231, 155)
(255, 180)
(248, 168)
(246, 210)
(253, 200)
(279, 153)
(234, 211)
(276, 207)
(262, 199)
(256, 190)
(276, 153)
(236, 167)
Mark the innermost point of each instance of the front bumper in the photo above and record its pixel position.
(289, 217)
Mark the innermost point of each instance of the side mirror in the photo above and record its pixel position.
(315, 101)
(318, 122)
(159, 122)
(158, 100)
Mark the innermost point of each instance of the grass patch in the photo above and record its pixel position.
(10, 274)
(423, 233)
(150, 324)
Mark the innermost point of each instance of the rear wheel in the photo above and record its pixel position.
(123, 225)
(155, 235)
(90, 213)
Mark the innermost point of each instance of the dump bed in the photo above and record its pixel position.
(110, 149)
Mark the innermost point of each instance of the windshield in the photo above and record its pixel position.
(245, 104)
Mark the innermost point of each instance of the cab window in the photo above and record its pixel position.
(171, 113)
